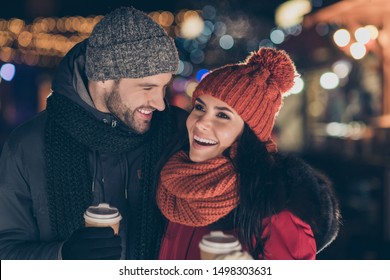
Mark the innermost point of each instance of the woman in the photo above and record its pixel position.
(230, 177)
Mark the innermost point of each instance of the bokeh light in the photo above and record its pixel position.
(337, 129)
(329, 80)
(209, 12)
(25, 38)
(291, 12)
(374, 33)
(220, 28)
(342, 37)
(192, 26)
(358, 50)
(197, 56)
(190, 87)
(266, 43)
(277, 36)
(362, 35)
(7, 72)
(208, 28)
(179, 84)
(187, 69)
(201, 73)
(322, 29)
(226, 42)
(298, 85)
(342, 68)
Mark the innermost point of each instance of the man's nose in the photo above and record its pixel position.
(157, 101)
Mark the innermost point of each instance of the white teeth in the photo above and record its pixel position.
(146, 112)
(204, 140)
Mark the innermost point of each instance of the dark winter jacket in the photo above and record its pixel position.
(25, 231)
(306, 218)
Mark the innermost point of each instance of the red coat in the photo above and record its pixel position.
(290, 238)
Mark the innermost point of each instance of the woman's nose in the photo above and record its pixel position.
(203, 123)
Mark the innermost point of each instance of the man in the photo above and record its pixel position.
(104, 128)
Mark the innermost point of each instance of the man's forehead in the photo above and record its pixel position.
(157, 80)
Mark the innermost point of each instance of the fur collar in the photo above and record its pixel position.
(309, 195)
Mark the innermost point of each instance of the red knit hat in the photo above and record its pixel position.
(253, 88)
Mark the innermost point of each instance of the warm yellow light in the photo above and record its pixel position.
(374, 33)
(3, 25)
(155, 16)
(25, 38)
(51, 23)
(76, 23)
(5, 39)
(190, 88)
(179, 18)
(6, 54)
(46, 39)
(166, 19)
(192, 25)
(291, 13)
(15, 25)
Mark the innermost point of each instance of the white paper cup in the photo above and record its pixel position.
(103, 215)
(217, 243)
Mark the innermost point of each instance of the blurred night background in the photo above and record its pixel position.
(337, 117)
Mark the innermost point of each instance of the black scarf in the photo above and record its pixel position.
(70, 133)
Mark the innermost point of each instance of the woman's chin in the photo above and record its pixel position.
(196, 157)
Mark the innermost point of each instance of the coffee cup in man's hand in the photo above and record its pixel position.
(103, 215)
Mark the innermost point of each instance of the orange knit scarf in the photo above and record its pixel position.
(197, 194)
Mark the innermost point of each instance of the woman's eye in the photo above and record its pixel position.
(147, 88)
(198, 107)
(223, 116)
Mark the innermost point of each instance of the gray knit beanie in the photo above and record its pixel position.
(127, 43)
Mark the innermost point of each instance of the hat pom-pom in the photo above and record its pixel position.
(279, 65)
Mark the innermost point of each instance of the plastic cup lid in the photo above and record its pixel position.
(218, 243)
(102, 213)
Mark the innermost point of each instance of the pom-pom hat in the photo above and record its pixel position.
(253, 88)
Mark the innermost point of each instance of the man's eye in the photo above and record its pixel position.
(147, 88)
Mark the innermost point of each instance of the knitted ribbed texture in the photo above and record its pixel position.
(127, 43)
(197, 194)
(253, 88)
(150, 220)
(70, 132)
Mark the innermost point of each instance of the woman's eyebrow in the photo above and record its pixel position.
(200, 101)
(223, 109)
(216, 107)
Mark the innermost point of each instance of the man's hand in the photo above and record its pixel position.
(92, 243)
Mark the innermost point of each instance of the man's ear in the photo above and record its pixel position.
(101, 84)
(96, 87)
(106, 85)
(97, 91)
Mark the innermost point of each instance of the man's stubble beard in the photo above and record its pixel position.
(126, 115)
